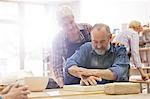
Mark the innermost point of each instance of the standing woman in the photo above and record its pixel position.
(67, 41)
(146, 34)
(130, 39)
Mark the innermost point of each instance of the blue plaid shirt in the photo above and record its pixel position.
(115, 59)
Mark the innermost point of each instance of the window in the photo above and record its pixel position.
(9, 37)
(26, 30)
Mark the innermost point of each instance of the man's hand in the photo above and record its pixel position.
(90, 80)
(80, 71)
(117, 43)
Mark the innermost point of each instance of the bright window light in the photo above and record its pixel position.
(25, 34)
(114, 12)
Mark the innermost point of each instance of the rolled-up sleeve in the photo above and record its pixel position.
(121, 65)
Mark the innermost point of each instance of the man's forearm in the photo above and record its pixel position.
(73, 70)
(104, 74)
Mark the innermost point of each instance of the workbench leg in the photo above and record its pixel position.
(141, 87)
(148, 90)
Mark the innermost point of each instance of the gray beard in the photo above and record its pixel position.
(100, 52)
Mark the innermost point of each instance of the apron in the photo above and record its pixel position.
(72, 47)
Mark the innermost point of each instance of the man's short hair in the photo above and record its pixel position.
(101, 25)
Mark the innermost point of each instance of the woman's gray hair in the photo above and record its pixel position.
(64, 11)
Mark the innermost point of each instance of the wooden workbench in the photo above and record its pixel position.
(63, 94)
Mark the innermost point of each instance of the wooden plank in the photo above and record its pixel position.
(121, 88)
(84, 88)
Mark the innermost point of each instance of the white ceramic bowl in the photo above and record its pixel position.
(36, 83)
